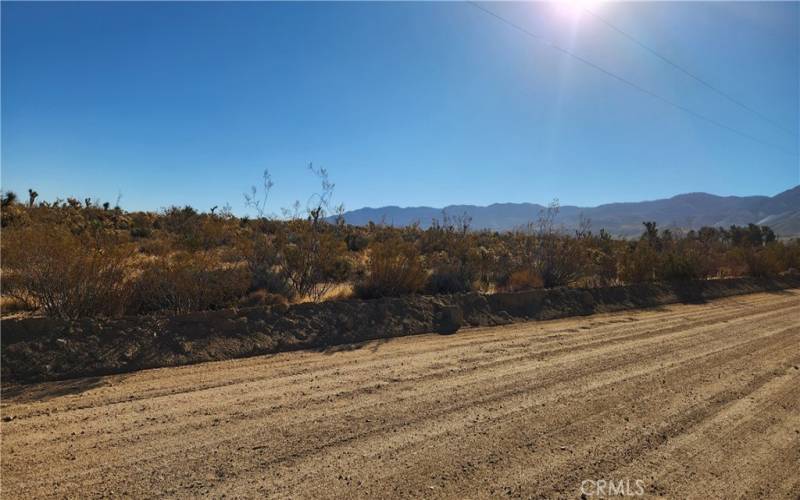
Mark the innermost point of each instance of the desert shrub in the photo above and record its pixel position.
(312, 258)
(394, 269)
(778, 258)
(752, 235)
(745, 261)
(639, 262)
(177, 219)
(14, 214)
(154, 246)
(791, 250)
(453, 271)
(63, 274)
(188, 282)
(194, 231)
(447, 280)
(62, 255)
(141, 225)
(452, 254)
(601, 260)
(309, 252)
(680, 266)
(356, 242)
(261, 256)
(214, 231)
(488, 264)
(768, 261)
(7, 199)
(141, 232)
(561, 260)
(342, 269)
(686, 259)
(523, 279)
(555, 257)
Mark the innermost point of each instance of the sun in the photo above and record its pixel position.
(573, 9)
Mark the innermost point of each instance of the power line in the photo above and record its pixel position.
(624, 80)
(688, 73)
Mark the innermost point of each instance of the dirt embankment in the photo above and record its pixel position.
(694, 401)
(38, 349)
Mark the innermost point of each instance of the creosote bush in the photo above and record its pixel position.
(188, 282)
(72, 258)
(63, 274)
(312, 258)
(395, 268)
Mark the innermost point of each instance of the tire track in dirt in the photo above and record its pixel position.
(364, 401)
(555, 426)
(484, 412)
(488, 336)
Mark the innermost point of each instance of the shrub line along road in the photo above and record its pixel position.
(694, 400)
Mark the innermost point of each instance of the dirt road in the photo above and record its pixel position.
(691, 400)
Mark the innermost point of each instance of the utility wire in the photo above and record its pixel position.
(688, 73)
(624, 80)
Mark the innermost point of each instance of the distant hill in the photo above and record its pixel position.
(691, 210)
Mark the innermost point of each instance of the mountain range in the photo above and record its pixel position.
(686, 211)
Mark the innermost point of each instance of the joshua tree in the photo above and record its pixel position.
(32, 197)
(650, 231)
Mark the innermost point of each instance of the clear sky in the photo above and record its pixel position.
(404, 103)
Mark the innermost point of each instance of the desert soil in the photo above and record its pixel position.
(693, 400)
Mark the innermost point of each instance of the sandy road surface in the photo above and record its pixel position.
(694, 400)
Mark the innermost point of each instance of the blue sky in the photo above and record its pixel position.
(404, 103)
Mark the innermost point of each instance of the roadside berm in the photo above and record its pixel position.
(39, 349)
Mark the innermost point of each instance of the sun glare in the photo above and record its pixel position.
(573, 9)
